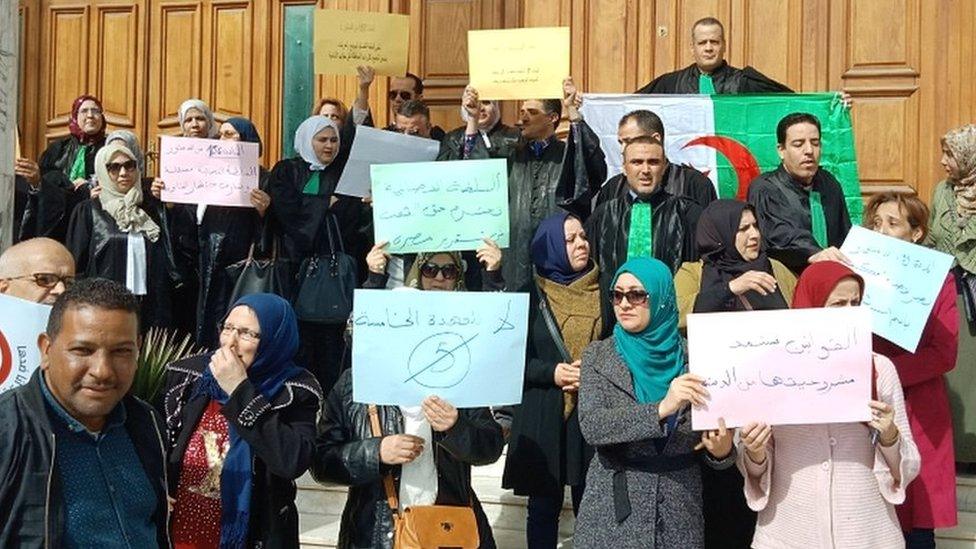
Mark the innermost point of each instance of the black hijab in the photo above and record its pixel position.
(722, 262)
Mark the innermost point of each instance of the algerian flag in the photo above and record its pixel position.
(20, 323)
(741, 127)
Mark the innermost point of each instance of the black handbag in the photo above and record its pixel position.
(253, 276)
(326, 282)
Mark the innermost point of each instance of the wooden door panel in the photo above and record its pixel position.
(230, 58)
(175, 61)
(118, 39)
(65, 65)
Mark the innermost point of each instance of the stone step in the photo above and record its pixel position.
(963, 536)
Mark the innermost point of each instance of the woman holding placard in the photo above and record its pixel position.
(735, 274)
(546, 449)
(953, 228)
(832, 485)
(930, 501)
(318, 226)
(643, 488)
(120, 235)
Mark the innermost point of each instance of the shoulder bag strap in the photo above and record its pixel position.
(557, 338)
(745, 302)
(391, 496)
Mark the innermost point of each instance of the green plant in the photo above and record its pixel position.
(159, 348)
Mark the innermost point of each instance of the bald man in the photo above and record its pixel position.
(36, 270)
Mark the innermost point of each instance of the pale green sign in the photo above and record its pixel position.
(440, 206)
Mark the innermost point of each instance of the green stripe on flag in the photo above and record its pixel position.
(751, 120)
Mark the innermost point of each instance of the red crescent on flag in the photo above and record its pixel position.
(6, 359)
(745, 165)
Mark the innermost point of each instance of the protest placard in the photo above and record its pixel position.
(440, 206)
(347, 39)
(901, 283)
(528, 63)
(800, 366)
(208, 171)
(373, 146)
(465, 347)
(20, 323)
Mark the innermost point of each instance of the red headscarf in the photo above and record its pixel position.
(76, 130)
(818, 280)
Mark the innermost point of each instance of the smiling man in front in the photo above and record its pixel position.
(81, 463)
(800, 206)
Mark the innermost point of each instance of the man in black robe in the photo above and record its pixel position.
(678, 180)
(801, 208)
(710, 73)
(544, 174)
(403, 89)
(499, 138)
(672, 220)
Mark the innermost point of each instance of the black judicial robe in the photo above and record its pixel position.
(503, 140)
(726, 79)
(679, 180)
(674, 220)
(783, 211)
(48, 210)
(564, 176)
(100, 249)
(224, 237)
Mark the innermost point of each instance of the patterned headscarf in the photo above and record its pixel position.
(961, 143)
(131, 142)
(75, 128)
(413, 276)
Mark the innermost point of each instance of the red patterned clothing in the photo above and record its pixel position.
(196, 514)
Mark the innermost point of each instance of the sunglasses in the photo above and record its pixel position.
(46, 280)
(634, 297)
(114, 167)
(402, 94)
(430, 270)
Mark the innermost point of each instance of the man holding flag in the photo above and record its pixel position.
(800, 206)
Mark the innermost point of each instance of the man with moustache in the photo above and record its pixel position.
(800, 207)
(37, 269)
(647, 221)
(82, 462)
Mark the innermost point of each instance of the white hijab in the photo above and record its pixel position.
(212, 129)
(308, 129)
(123, 207)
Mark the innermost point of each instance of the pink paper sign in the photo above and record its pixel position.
(208, 171)
(788, 367)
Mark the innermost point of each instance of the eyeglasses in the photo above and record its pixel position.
(93, 112)
(634, 297)
(244, 333)
(402, 94)
(46, 280)
(114, 167)
(430, 270)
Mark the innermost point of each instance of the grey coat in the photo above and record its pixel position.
(665, 507)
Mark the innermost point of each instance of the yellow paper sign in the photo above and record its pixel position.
(347, 39)
(526, 63)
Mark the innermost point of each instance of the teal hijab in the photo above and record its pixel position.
(653, 355)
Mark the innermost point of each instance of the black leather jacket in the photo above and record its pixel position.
(281, 434)
(31, 499)
(348, 453)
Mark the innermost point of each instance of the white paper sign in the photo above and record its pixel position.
(373, 146)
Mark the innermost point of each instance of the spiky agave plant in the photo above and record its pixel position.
(159, 348)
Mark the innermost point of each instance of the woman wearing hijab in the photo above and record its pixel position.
(836, 484)
(241, 429)
(546, 449)
(734, 274)
(120, 235)
(66, 171)
(953, 227)
(438, 270)
(930, 501)
(308, 211)
(643, 488)
(498, 138)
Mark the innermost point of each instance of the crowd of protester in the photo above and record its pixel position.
(613, 266)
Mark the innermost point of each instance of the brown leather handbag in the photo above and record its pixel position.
(427, 526)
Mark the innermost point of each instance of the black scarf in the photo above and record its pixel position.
(717, 227)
